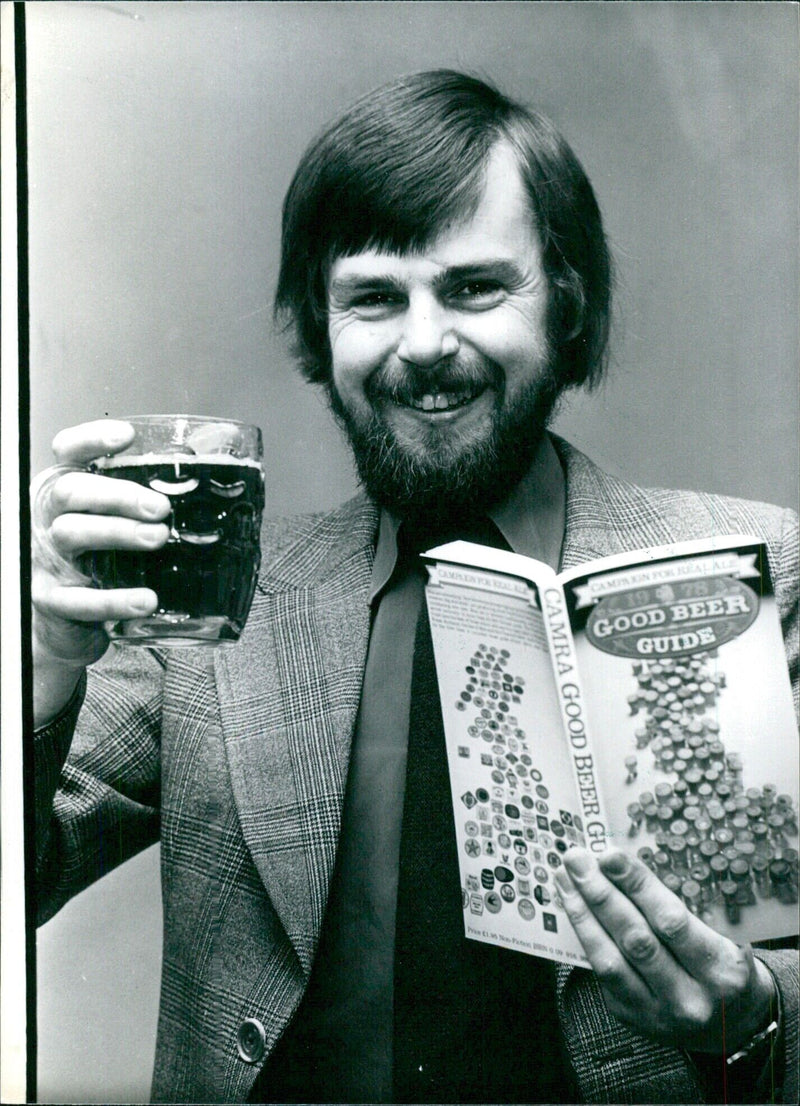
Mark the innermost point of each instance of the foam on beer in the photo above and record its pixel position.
(131, 460)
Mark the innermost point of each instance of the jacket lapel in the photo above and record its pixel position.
(608, 515)
(289, 694)
(597, 504)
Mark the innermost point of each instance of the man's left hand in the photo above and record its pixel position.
(663, 972)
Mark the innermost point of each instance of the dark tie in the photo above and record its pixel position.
(466, 1014)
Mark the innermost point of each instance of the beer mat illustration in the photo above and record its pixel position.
(641, 701)
(510, 832)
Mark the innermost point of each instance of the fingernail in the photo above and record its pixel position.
(616, 864)
(118, 435)
(144, 603)
(579, 864)
(155, 508)
(563, 882)
(151, 535)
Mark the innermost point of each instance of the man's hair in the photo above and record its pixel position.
(407, 160)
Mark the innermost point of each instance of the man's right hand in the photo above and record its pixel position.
(75, 512)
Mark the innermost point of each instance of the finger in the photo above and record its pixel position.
(75, 534)
(78, 444)
(613, 971)
(703, 952)
(624, 923)
(104, 495)
(78, 604)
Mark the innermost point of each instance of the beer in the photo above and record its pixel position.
(205, 576)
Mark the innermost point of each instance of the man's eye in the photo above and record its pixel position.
(480, 291)
(375, 301)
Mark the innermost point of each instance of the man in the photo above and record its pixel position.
(446, 273)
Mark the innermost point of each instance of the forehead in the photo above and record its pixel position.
(501, 228)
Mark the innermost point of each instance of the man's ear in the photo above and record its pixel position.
(570, 308)
(575, 330)
(572, 317)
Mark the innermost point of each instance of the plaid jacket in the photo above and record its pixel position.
(237, 759)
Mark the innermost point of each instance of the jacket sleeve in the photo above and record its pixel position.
(97, 777)
(785, 565)
(779, 1080)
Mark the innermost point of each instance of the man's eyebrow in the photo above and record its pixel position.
(358, 282)
(502, 270)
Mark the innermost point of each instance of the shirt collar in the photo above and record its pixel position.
(531, 519)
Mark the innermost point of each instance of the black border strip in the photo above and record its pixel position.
(23, 339)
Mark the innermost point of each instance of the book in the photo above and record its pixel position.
(642, 700)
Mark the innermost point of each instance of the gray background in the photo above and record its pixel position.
(162, 138)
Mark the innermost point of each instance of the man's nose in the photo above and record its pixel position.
(427, 335)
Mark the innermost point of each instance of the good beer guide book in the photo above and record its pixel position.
(641, 700)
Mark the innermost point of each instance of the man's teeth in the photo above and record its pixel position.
(442, 401)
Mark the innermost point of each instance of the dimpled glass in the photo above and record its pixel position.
(205, 576)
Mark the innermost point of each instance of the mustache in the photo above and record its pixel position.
(408, 384)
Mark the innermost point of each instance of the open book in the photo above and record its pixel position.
(643, 701)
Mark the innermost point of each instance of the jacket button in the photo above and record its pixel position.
(251, 1040)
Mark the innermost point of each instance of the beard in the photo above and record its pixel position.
(444, 482)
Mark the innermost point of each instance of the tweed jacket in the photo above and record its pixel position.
(237, 759)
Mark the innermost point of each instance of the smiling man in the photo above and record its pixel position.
(445, 272)
(443, 373)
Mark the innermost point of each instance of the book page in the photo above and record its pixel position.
(688, 699)
(515, 803)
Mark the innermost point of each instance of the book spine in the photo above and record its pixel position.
(573, 713)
